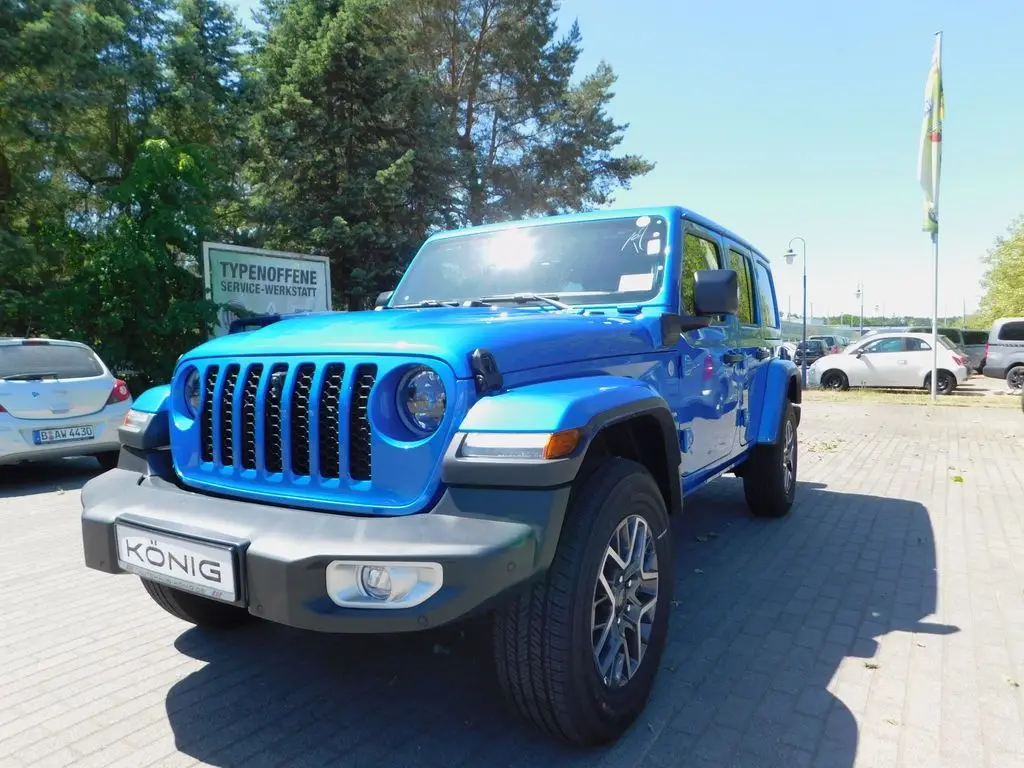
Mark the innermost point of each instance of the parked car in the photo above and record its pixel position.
(1004, 352)
(58, 399)
(813, 348)
(509, 441)
(891, 360)
(967, 340)
(832, 343)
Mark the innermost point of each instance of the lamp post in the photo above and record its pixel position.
(860, 295)
(789, 256)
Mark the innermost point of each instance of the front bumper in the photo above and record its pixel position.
(488, 541)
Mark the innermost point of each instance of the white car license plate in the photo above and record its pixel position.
(63, 434)
(186, 564)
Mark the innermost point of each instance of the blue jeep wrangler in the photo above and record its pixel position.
(508, 432)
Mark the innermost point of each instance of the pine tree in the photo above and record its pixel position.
(351, 149)
(529, 140)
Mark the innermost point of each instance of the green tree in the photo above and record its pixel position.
(350, 149)
(529, 140)
(127, 290)
(1004, 276)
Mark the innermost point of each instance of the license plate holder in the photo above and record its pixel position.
(184, 562)
(77, 433)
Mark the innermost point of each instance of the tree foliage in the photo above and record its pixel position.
(133, 130)
(350, 150)
(528, 139)
(1004, 276)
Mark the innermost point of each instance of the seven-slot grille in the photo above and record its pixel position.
(293, 417)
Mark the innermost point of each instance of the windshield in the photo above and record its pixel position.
(60, 361)
(605, 261)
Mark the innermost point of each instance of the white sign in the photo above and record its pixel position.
(262, 282)
(182, 563)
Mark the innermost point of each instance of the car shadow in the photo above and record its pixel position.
(764, 613)
(31, 478)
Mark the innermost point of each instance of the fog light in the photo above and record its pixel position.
(361, 584)
(375, 581)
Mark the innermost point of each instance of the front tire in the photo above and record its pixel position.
(577, 654)
(769, 480)
(108, 459)
(1015, 378)
(835, 380)
(194, 609)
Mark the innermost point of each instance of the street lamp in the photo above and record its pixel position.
(860, 295)
(789, 256)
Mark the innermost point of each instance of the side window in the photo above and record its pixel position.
(1012, 332)
(975, 337)
(916, 345)
(766, 297)
(698, 254)
(885, 345)
(739, 262)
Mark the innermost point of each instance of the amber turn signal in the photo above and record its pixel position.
(561, 444)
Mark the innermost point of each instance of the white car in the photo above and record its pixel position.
(891, 360)
(58, 399)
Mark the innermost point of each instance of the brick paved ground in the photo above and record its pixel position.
(881, 624)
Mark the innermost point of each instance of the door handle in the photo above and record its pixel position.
(901, 362)
(731, 358)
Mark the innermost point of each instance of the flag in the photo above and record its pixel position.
(929, 162)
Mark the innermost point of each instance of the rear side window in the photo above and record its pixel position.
(766, 297)
(975, 337)
(739, 263)
(57, 360)
(698, 254)
(916, 345)
(1012, 332)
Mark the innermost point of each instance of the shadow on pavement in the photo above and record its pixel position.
(764, 613)
(46, 476)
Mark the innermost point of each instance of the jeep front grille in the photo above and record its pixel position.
(288, 418)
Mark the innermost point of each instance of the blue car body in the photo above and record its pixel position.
(721, 411)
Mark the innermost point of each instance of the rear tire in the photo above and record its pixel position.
(769, 481)
(194, 609)
(588, 611)
(945, 384)
(108, 460)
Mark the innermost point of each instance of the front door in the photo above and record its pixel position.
(879, 364)
(708, 393)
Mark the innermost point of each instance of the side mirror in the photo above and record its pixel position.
(382, 299)
(716, 292)
(858, 354)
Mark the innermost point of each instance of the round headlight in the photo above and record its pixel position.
(421, 400)
(192, 393)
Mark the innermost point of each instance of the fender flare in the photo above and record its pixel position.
(590, 404)
(776, 383)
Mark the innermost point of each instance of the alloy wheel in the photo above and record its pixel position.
(625, 601)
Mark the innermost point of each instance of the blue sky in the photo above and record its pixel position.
(803, 117)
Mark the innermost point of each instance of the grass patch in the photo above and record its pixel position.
(959, 399)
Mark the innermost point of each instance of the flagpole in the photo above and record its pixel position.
(935, 313)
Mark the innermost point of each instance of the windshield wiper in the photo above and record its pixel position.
(426, 303)
(523, 298)
(30, 376)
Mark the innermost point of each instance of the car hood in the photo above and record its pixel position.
(518, 338)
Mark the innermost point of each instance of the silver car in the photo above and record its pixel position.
(58, 399)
